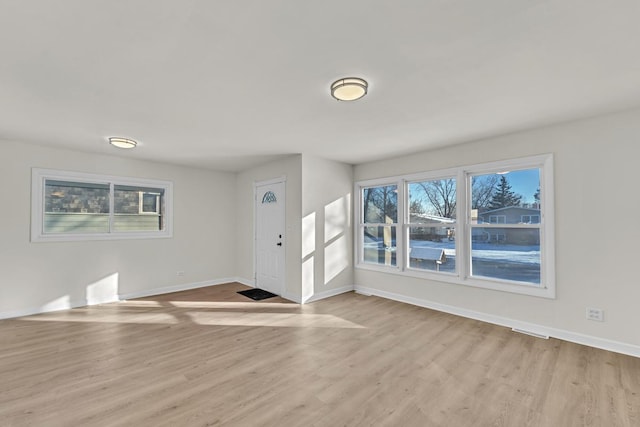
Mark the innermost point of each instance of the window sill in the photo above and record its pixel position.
(455, 279)
(95, 237)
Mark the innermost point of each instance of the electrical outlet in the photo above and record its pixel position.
(595, 314)
(179, 273)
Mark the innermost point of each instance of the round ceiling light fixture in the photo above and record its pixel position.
(349, 88)
(122, 142)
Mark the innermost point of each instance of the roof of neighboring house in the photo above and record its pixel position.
(432, 218)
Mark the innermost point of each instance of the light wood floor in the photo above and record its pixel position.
(213, 357)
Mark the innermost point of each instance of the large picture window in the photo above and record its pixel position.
(77, 206)
(487, 225)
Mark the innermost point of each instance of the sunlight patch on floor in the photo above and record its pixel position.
(137, 303)
(204, 318)
(232, 304)
(289, 320)
(83, 317)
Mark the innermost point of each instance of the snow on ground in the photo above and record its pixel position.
(488, 251)
(493, 260)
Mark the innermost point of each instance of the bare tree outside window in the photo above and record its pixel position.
(381, 204)
(438, 197)
(482, 189)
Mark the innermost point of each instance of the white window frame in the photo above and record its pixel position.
(462, 275)
(361, 225)
(39, 177)
(429, 176)
(141, 210)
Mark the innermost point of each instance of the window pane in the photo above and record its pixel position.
(76, 207)
(432, 205)
(506, 197)
(508, 253)
(380, 204)
(379, 245)
(432, 248)
(150, 203)
(137, 208)
(433, 200)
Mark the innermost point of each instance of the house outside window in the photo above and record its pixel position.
(505, 248)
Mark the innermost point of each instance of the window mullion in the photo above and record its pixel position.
(401, 246)
(463, 222)
(111, 206)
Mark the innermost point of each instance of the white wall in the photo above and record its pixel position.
(597, 230)
(327, 260)
(36, 276)
(318, 225)
(291, 168)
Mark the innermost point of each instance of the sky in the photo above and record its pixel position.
(524, 182)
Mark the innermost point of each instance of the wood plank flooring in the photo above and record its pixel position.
(212, 357)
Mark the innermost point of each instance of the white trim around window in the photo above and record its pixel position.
(81, 207)
(457, 233)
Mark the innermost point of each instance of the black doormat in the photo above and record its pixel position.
(257, 294)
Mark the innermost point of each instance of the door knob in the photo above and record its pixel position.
(279, 243)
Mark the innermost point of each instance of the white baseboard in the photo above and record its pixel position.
(317, 296)
(246, 282)
(65, 304)
(591, 341)
(174, 288)
(326, 294)
(292, 297)
(58, 305)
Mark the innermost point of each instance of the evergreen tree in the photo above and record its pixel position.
(503, 196)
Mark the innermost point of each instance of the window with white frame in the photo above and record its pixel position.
(431, 224)
(497, 219)
(379, 224)
(149, 202)
(488, 225)
(530, 219)
(80, 206)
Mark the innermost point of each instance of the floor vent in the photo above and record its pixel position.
(533, 334)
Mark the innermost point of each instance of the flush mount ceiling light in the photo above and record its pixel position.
(122, 142)
(349, 88)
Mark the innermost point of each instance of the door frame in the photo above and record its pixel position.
(281, 179)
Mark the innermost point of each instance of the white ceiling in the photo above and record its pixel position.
(231, 84)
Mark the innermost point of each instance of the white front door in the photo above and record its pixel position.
(270, 239)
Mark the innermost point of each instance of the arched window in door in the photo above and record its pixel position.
(269, 197)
